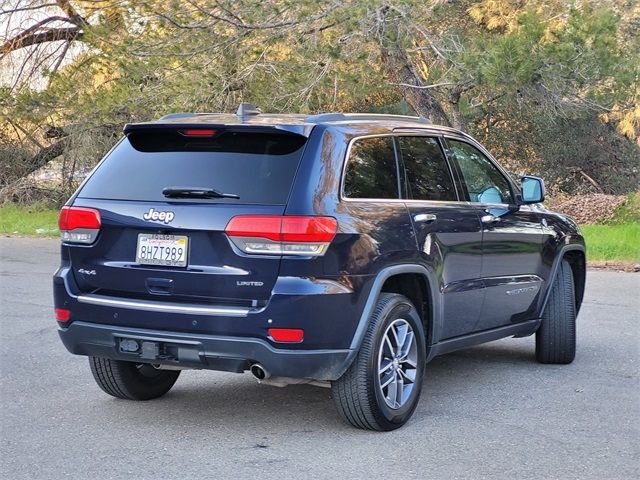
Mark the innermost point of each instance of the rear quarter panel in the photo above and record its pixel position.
(371, 235)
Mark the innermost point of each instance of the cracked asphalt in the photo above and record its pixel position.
(486, 412)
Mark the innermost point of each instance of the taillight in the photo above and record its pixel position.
(78, 224)
(282, 235)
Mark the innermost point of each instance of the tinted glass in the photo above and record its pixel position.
(371, 169)
(484, 182)
(259, 167)
(426, 169)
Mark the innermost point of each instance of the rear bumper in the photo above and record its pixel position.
(202, 351)
(221, 337)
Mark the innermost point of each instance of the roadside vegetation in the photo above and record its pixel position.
(628, 212)
(34, 220)
(617, 238)
(619, 242)
(614, 240)
(549, 86)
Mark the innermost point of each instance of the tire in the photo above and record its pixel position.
(359, 395)
(556, 337)
(131, 381)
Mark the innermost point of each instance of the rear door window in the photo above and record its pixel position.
(258, 167)
(427, 174)
(371, 170)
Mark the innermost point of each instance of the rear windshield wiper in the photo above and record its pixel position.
(195, 192)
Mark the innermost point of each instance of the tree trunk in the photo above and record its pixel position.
(400, 71)
(11, 179)
(26, 166)
(453, 106)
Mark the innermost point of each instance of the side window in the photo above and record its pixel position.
(426, 169)
(484, 182)
(371, 169)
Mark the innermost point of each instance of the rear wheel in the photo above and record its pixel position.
(381, 389)
(556, 337)
(131, 381)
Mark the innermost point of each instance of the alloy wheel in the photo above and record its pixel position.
(397, 363)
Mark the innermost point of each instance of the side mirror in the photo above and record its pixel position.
(532, 189)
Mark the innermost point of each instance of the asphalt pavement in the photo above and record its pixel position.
(486, 412)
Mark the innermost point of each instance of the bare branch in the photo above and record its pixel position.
(491, 99)
(27, 135)
(423, 87)
(37, 33)
(35, 27)
(236, 21)
(47, 154)
(228, 11)
(430, 41)
(320, 28)
(176, 24)
(401, 70)
(583, 174)
(24, 9)
(459, 89)
(71, 12)
(51, 35)
(56, 65)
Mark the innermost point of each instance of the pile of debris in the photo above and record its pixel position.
(589, 208)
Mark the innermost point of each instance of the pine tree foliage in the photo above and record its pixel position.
(544, 83)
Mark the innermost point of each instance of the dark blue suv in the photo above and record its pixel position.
(345, 250)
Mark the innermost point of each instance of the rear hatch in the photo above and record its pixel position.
(137, 251)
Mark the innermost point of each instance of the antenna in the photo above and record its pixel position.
(247, 109)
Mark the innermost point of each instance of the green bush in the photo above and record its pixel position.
(35, 219)
(620, 242)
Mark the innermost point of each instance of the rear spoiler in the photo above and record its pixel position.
(299, 129)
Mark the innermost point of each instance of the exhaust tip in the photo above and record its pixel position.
(259, 372)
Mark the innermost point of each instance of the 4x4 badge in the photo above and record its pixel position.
(165, 217)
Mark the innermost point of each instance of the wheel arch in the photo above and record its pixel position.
(415, 287)
(576, 256)
(428, 287)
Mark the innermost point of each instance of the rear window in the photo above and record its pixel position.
(258, 167)
(371, 169)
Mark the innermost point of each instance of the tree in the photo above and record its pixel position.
(492, 67)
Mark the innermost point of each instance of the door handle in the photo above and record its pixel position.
(425, 217)
(490, 219)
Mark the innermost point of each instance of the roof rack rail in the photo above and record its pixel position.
(339, 117)
(170, 116)
(244, 110)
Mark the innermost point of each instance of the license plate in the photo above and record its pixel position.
(166, 250)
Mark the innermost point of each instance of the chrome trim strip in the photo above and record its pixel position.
(490, 282)
(150, 305)
(394, 135)
(511, 280)
(224, 270)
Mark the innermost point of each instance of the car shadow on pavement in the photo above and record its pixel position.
(239, 401)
